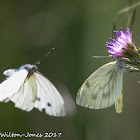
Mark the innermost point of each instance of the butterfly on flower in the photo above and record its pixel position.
(103, 88)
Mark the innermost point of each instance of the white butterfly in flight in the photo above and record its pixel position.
(103, 88)
(28, 88)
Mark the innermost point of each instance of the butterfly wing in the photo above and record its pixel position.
(26, 96)
(48, 97)
(102, 89)
(12, 85)
(119, 103)
(10, 72)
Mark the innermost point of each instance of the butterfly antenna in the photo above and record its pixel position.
(38, 62)
(100, 56)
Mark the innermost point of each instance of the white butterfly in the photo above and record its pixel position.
(28, 88)
(103, 88)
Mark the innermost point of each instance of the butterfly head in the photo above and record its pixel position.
(30, 68)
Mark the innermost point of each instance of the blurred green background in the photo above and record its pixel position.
(78, 29)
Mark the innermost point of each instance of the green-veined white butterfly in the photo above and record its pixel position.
(28, 88)
(103, 88)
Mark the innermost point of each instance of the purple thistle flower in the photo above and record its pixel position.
(122, 45)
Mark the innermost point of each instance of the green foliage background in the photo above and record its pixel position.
(78, 29)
